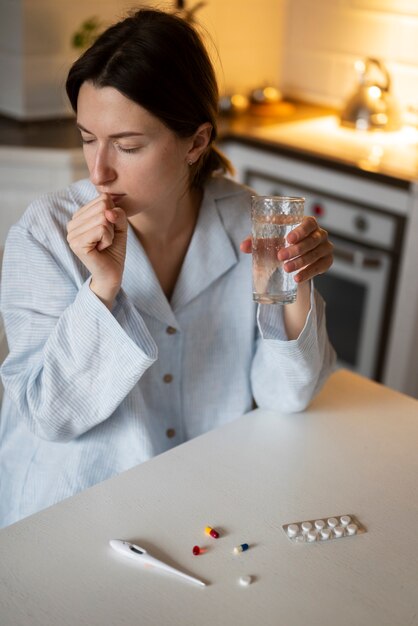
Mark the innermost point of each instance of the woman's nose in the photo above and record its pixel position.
(101, 171)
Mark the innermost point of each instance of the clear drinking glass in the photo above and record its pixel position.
(272, 218)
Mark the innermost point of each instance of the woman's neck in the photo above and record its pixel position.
(166, 238)
(162, 228)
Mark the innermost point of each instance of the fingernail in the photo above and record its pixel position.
(283, 254)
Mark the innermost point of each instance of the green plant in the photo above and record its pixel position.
(88, 32)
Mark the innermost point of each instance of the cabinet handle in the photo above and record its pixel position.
(372, 262)
(344, 255)
(357, 257)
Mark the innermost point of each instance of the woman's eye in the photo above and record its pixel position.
(89, 140)
(127, 150)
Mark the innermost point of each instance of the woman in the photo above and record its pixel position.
(127, 298)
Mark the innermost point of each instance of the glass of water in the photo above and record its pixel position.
(272, 218)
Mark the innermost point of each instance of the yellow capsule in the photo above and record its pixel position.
(211, 532)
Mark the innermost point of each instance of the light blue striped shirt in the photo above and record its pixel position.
(90, 393)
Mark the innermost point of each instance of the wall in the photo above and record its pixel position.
(35, 52)
(308, 48)
(325, 37)
(35, 49)
(248, 36)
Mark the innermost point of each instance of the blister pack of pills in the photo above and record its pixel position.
(323, 529)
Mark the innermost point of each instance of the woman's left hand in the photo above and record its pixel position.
(309, 251)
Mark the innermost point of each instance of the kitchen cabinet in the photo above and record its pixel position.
(371, 291)
(28, 172)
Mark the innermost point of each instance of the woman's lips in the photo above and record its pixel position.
(116, 197)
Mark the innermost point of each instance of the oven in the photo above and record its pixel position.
(359, 287)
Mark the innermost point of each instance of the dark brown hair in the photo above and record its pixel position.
(159, 61)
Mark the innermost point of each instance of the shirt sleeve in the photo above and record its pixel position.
(286, 374)
(71, 361)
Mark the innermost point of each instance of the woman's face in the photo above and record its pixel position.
(131, 154)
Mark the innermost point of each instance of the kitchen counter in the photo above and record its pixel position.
(52, 134)
(352, 452)
(388, 157)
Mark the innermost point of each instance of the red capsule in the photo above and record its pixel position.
(196, 550)
(212, 532)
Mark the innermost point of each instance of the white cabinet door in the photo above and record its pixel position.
(27, 173)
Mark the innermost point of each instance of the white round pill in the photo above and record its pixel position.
(244, 581)
(345, 520)
(352, 529)
(306, 526)
(326, 533)
(312, 535)
(319, 524)
(339, 531)
(292, 530)
(332, 522)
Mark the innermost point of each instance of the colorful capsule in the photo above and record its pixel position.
(196, 550)
(211, 532)
(242, 548)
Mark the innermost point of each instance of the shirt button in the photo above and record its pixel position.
(170, 432)
(167, 378)
(170, 330)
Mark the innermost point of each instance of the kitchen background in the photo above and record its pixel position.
(306, 48)
(361, 185)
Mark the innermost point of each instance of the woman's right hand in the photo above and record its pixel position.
(97, 235)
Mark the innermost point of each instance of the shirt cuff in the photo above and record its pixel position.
(270, 320)
(126, 326)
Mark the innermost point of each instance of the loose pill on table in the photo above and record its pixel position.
(196, 550)
(211, 532)
(244, 581)
(306, 526)
(292, 530)
(345, 520)
(332, 522)
(241, 548)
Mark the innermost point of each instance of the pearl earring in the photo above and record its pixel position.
(190, 162)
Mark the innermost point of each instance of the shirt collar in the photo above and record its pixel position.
(210, 254)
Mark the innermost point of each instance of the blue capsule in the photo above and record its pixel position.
(242, 548)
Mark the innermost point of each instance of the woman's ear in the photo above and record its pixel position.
(200, 141)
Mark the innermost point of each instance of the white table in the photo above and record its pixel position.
(354, 451)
